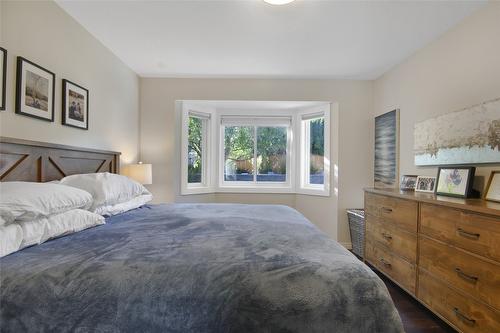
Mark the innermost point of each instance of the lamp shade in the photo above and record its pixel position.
(141, 173)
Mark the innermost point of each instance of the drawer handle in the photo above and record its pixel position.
(386, 236)
(385, 262)
(465, 276)
(387, 210)
(463, 317)
(467, 234)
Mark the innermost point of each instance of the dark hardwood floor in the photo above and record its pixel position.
(416, 318)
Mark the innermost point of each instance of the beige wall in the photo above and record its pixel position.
(160, 134)
(43, 33)
(460, 69)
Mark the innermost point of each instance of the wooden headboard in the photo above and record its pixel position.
(23, 160)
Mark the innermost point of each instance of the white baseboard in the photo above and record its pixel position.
(347, 245)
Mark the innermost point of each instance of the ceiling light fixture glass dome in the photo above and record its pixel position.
(278, 2)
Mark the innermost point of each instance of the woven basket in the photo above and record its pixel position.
(357, 227)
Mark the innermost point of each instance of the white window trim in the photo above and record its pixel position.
(255, 118)
(207, 114)
(303, 160)
(213, 159)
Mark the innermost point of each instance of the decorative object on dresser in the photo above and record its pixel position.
(3, 76)
(468, 136)
(455, 181)
(426, 184)
(387, 150)
(492, 192)
(35, 90)
(408, 182)
(444, 251)
(75, 105)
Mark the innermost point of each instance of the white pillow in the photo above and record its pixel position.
(124, 206)
(26, 201)
(71, 222)
(43, 229)
(33, 231)
(11, 237)
(107, 189)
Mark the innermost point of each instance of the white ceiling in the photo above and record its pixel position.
(305, 39)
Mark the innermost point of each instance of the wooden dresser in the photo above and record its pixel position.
(443, 251)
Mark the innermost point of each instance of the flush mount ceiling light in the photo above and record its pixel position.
(278, 2)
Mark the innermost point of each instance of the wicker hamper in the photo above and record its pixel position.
(357, 227)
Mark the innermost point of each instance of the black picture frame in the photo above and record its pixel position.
(3, 79)
(19, 87)
(64, 119)
(469, 192)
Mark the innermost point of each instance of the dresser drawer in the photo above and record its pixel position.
(463, 312)
(395, 267)
(401, 212)
(401, 242)
(477, 233)
(479, 278)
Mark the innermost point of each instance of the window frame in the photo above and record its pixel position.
(206, 115)
(255, 119)
(213, 159)
(303, 160)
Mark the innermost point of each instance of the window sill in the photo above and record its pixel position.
(256, 190)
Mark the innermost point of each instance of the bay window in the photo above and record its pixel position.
(276, 151)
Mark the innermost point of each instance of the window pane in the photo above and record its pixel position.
(238, 153)
(195, 135)
(317, 150)
(271, 154)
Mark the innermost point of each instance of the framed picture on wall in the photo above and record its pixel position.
(3, 76)
(493, 188)
(75, 105)
(386, 159)
(35, 87)
(455, 181)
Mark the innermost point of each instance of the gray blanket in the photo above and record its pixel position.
(194, 268)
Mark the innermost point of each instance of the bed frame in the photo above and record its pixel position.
(34, 161)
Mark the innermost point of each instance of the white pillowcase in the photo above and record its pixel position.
(124, 206)
(107, 189)
(71, 222)
(26, 201)
(43, 229)
(11, 237)
(32, 231)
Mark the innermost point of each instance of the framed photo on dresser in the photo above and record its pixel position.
(35, 88)
(455, 181)
(493, 188)
(3, 76)
(426, 184)
(75, 105)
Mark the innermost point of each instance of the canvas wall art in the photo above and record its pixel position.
(387, 150)
(468, 136)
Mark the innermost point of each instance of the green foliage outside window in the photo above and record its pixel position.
(317, 133)
(195, 130)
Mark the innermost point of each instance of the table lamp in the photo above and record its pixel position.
(140, 172)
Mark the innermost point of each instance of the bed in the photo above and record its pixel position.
(194, 268)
